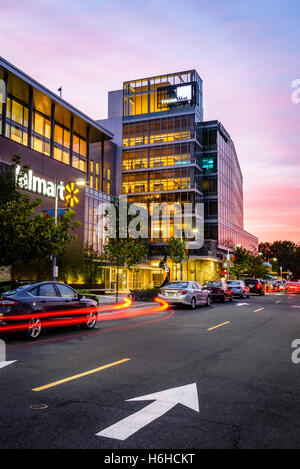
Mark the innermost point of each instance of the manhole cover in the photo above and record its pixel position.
(38, 406)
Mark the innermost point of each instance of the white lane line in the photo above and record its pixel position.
(278, 301)
(259, 309)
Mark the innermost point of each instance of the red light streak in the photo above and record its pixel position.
(85, 311)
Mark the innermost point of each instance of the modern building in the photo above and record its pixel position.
(57, 141)
(169, 155)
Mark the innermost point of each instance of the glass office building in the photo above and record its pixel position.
(222, 189)
(169, 155)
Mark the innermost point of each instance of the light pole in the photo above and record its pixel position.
(78, 182)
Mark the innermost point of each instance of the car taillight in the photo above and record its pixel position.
(7, 302)
(258, 285)
(183, 292)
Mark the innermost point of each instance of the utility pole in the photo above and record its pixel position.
(54, 266)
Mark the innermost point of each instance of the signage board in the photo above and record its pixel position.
(177, 95)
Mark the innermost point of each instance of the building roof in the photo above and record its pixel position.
(18, 74)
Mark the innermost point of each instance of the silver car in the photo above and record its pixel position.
(239, 288)
(185, 293)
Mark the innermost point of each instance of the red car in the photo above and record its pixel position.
(219, 290)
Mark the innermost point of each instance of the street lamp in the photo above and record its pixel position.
(79, 182)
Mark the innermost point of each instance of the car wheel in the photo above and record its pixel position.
(193, 303)
(34, 328)
(208, 301)
(90, 322)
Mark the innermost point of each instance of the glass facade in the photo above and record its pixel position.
(148, 95)
(222, 188)
(161, 154)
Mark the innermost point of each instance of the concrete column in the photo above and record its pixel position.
(52, 130)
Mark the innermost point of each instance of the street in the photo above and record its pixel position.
(241, 387)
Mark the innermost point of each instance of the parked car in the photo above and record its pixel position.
(40, 301)
(219, 290)
(185, 293)
(256, 286)
(239, 288)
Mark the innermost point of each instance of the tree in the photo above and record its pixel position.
(124, 251)
(176, 252)
(241, 262)
(257, 268)
(25, 235)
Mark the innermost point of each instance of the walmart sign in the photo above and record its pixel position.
(38, 185)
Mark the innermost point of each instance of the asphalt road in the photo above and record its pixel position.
(242, 373)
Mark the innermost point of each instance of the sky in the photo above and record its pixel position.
(246, 52)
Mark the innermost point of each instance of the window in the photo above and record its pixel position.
(66, 292)
(47, 290)
(34, 291)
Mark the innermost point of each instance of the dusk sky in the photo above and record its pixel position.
(247, 53)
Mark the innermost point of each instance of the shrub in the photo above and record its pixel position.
(144, 295)
(88, 294)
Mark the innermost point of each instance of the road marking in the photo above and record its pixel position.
(163, 402)
(242, 304)
(3, 361)
(219, 325)
(3, 364)
(95, 370)
(259, 309)
(278, 301)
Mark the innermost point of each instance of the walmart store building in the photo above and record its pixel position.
(57, 141)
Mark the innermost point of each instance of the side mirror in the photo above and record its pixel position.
(80, 296)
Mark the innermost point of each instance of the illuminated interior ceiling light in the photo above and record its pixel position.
(71, 196)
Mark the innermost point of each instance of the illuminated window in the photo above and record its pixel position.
(41, 125)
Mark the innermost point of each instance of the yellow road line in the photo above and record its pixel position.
(95, 370)
(219, 325)
(259, 309)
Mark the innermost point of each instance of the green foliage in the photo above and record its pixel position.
(286, 253)
(25, 235)
(176, 250)
(88, 294)
(241, 263)
(124, 251)
(247, 263)
(144, 295)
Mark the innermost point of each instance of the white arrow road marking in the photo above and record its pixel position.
(163, 402)
(242, 304)
(3, 361)
(3, 364)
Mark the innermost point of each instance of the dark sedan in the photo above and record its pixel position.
(30, 308)
(219, 290)
(256, 286)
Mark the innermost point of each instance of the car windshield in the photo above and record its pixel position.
(233, 282)
(177, 285)
(250, 281)
(213, 284)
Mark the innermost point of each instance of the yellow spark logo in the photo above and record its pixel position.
(71, 197)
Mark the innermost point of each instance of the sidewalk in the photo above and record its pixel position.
(111, 300)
